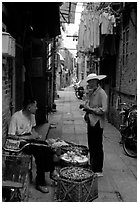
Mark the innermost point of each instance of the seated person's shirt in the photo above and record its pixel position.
(20, 124)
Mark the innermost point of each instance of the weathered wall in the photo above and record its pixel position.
(6, 97)
(126, 74)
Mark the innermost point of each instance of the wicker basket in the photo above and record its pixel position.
(73, 147)
(64, 163)
(77, 189)
(15, 174)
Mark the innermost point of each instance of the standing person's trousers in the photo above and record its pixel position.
(95, 144)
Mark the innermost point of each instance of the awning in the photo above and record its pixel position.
(67, 12)
(39, 18)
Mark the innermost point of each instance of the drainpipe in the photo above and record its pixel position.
(120, 81)
(54, 74)
(85, 67)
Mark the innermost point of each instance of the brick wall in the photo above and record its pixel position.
(6, 97)
(126, 75)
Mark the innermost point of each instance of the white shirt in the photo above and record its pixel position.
(20, 124)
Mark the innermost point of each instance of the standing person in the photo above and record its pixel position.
(22, 127)
(95, 107)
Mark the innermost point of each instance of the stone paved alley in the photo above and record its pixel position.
(119, 183)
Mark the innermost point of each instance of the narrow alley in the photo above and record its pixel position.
(119, 183)
(49, 61)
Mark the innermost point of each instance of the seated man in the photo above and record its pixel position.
(22, 127)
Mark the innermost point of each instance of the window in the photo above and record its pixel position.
(125, 45)
(49, 55)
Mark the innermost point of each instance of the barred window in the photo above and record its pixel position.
(125, 45)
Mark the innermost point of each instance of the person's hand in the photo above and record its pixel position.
(81, 106)
(86, 109)
(39, 137)
(35, 135)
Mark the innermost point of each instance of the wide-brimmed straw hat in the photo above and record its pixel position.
(95, 76)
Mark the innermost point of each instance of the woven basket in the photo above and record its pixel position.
(64, 163)
(83, 149)
(77, 189)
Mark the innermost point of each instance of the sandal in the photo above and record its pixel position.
(54, 176)
(42, 189)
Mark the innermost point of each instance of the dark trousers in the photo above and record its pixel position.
(43, 158)
(95, 144)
